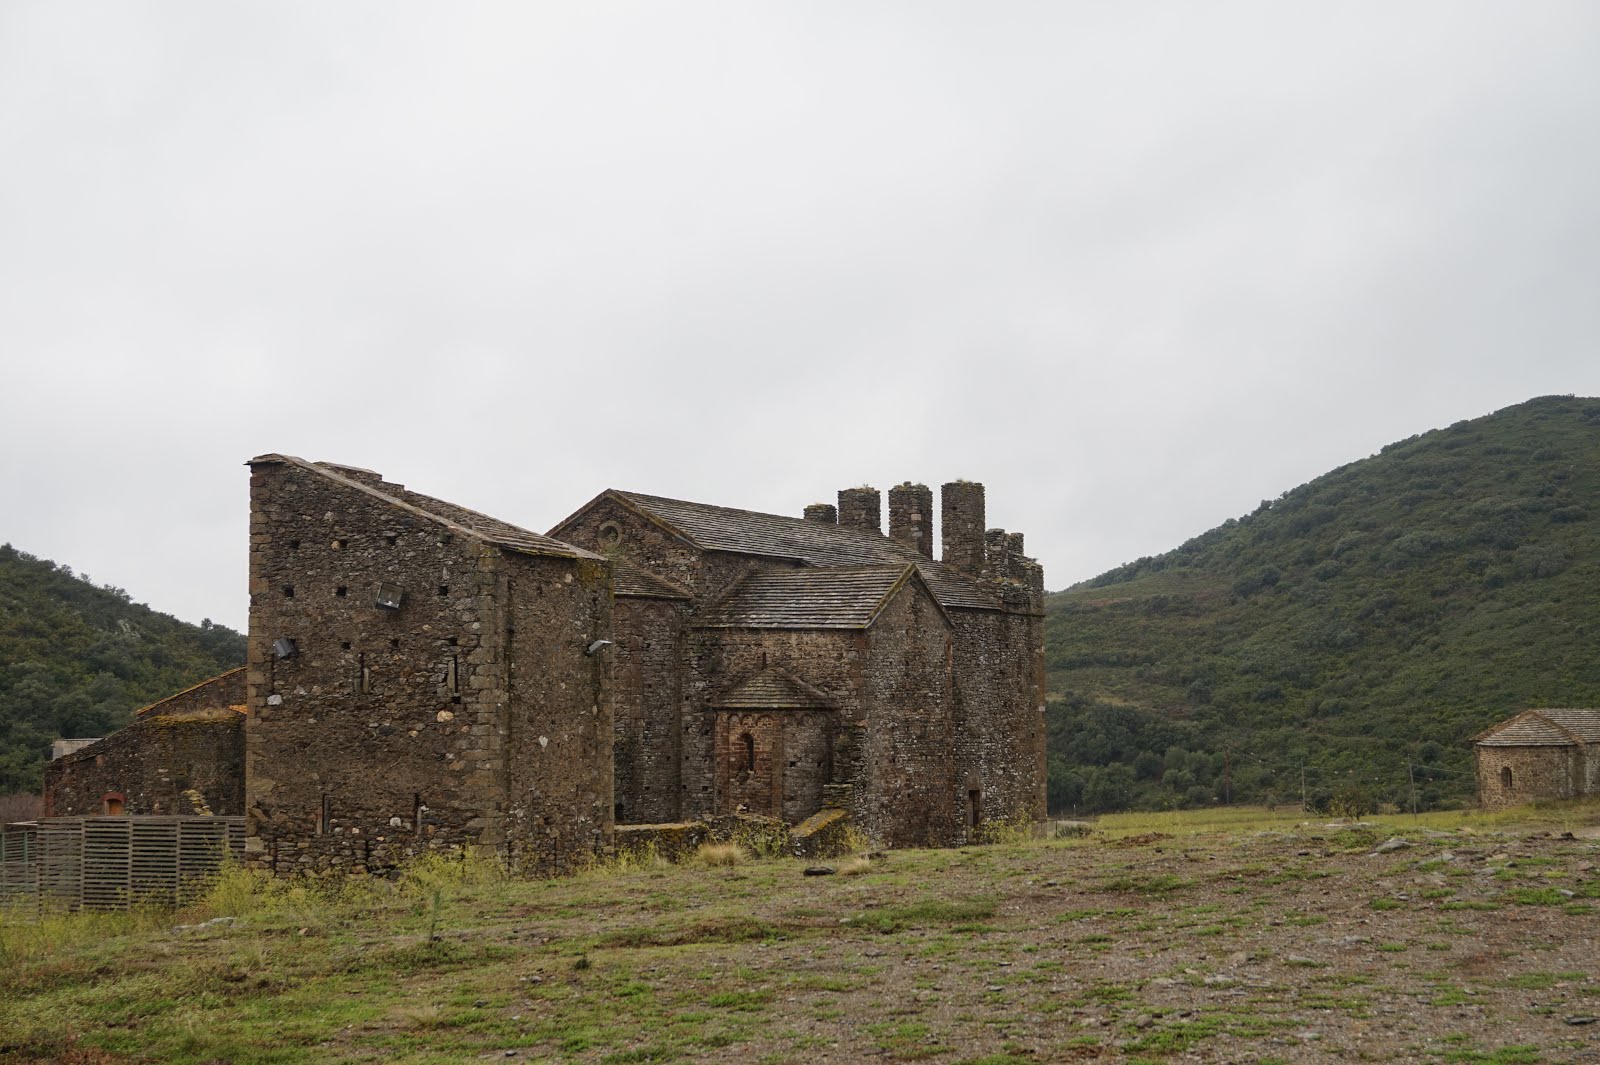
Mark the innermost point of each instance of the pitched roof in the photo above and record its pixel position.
(816, 543)
(222, 681)
(455, 518)
(1544, 728)
(773, 689)
(629, 578)
(842, 598)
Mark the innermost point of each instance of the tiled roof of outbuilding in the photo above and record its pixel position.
(841, 598)
(1544, 728)
(773, 689)
(749, 532)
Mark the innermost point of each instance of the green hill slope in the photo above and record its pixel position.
(76, 659)
(1357, 630)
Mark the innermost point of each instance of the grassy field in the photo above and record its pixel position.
(1211, 936)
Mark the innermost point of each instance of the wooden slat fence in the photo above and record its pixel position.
(19, 866)
(112, 862)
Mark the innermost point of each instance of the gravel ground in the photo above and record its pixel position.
(1327, 943)
(1320, 943)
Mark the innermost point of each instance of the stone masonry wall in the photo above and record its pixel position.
(832, 660)
(649, 635)
(909, 797)
(557, 755)
(358, 749)
(1000, 751)
(387, 731)
(611, 529)
(772, 763)
(1536, 773)
(188, 763)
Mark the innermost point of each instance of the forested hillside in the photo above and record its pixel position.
(1352, 634)
(76, 659)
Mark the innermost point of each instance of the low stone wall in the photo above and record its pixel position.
(673, 842)
(824, 834)
(821, 835)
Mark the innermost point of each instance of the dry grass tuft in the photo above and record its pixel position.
(855, 865)
(721, 854)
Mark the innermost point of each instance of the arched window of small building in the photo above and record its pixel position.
(112, 803)
(1505, 778)
(974, 808)
(749, 742)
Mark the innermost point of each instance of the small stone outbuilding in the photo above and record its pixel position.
(1539, 754)
(182, 755)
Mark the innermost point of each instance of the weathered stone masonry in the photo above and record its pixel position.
(1539, 754)
(424, 677)
(182, 755)
(418, 679)
(796, 658)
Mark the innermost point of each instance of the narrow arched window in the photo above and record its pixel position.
(1505, 778)
(749, 752)
(112, 804)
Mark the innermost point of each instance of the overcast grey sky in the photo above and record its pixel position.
(1136, 266)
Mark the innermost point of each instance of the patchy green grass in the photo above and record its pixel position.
(1222, 946)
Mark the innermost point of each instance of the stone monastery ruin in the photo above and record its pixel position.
(421, 676)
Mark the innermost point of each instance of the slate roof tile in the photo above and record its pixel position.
(815, 543)
(629, 578)
(842, 598)
(773, 689)
(1544, 728)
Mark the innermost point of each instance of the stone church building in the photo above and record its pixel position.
(771, 664)
(421, 676)
(1538, 754)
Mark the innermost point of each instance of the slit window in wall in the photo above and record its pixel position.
(453, 675)
(363, 676)
(749, 742)
(324, 816)
(1505, 778)
(390, 596)
(417, 810)
(975, 808)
